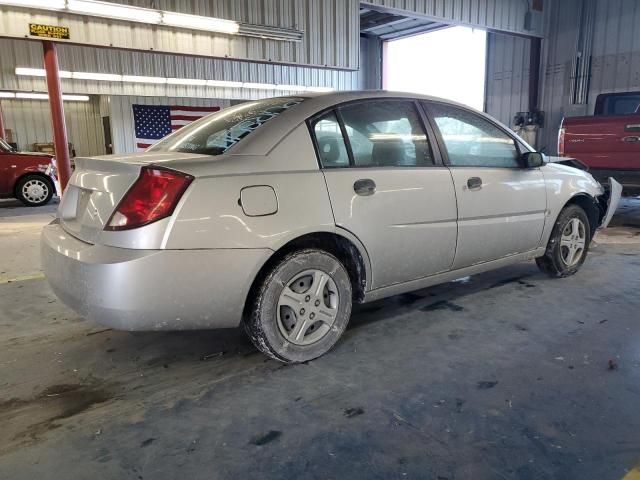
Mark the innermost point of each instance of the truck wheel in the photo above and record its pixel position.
(301, 307)
(34, 190)
(568, 244)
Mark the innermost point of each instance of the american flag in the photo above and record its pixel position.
(153, 122)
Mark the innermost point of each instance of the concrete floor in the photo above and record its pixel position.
(505, 375)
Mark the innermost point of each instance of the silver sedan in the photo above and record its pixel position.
(278, 214)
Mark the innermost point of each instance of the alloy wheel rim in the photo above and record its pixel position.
(572, 242)
(308, 307)
(35, 191)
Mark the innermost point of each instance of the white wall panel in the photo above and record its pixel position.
(330, 28)
(22, 53)
(31, 122)
(121, 116)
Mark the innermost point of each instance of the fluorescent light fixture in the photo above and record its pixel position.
(224, 84)
(42, 96)
(295, 88)
(199, 23)
(260, 86)
(152, 16)
(108, 77)
(141, 79)
(31, 72)
(113, 10)
(186, 81)
(320, 89)
(45, 4)
(104, 77)
(76, 98)
(32, 96)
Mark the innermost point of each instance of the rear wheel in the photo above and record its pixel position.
(301, 307)
(568, 244)
(34, 190)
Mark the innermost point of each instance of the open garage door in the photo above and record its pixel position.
(448, 63)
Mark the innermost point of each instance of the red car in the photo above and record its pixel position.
(608, 142)
(29, 177)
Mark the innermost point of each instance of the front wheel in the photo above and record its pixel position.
(34, 190)
(568, 244)
(301, 307)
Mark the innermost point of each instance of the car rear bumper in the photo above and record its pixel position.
(131, 289)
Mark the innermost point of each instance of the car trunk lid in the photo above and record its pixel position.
(97, 186)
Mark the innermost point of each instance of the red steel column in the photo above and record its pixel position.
(1, 123)
(57, 113)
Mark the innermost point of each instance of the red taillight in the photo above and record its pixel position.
(561, 142)
(153, 196)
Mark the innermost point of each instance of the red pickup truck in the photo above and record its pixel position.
(608, 142)
(29, 177)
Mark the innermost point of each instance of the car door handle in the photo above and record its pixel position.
(632, 127)
(474, 183)
(631, 139)
(364, 187)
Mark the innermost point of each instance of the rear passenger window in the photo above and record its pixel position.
(386, 133)
(331, 147)
(472, 141)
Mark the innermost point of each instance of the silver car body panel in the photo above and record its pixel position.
(132, 289)
(505, 216)
(413, 210)
(411, 234)
(451, 275)
(211, 217)
(562, 184)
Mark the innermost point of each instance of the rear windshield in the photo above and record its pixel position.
(618, 103)
(217, 133)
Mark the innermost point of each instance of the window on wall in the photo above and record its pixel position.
(472, 141)
(386, 134)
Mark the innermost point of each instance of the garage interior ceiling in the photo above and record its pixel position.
(391, 26)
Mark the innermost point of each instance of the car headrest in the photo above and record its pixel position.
(329, 150)
(388, 153)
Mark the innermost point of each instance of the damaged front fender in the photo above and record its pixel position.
(609, 201)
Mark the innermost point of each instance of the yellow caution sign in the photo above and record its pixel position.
(49, 31)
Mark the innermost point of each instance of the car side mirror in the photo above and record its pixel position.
(532, 159)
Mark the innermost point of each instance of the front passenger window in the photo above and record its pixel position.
(472, 141)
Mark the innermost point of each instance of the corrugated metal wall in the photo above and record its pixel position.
(31, 122)
(507, 88)
(22, 53)
(503, 15)
(559, 48)
(331, 30)
(370, 63)
(121, 114)
(615, 62)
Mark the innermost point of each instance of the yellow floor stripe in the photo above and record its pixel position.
(633, 474)
(21, 278)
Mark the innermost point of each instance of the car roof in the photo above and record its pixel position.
(264, 139)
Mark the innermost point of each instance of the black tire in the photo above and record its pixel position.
(43, 182)
(265, 320)
(553, 262)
